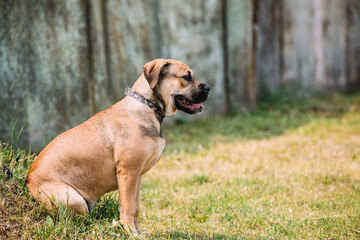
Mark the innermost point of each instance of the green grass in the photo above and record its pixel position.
(289, 170)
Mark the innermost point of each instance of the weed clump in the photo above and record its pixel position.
(17, 211)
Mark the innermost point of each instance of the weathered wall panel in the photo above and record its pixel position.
(101, 88)
(286, 44)
(317, 37)
(268, 50)
(352, 45)
(61, 61)
(334, 38)
(15, 65)
(58, 96)
(129, 43)
(188, 31)
(301, 20)
(239, 19)
(191, 33)
(48, 72)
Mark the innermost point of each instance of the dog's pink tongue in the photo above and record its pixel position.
(196, 105)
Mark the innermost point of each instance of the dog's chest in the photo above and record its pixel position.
(155, 156)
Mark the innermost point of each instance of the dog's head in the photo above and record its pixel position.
(175, 83)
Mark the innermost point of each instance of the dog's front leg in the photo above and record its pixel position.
(128, 182)
(137, 225)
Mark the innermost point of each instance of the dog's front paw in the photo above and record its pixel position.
(130, 229)
(137, 225)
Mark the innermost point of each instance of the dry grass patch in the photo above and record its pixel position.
(302, 184)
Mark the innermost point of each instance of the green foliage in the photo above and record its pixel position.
(107, 208)
(271, 119)
(197, 179)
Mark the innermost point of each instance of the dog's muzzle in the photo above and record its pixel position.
(193, 106)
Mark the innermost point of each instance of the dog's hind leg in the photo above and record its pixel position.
(54, 193)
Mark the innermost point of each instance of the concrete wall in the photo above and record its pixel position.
(43, 68)
(62, 61)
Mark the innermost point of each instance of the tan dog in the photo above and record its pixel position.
(115, 147)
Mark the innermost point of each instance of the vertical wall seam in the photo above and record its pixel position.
(318, 42)
(225, 55)
(91, 86)
(108, 66)
(251, 83)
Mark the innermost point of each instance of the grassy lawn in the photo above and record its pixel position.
(290, 170)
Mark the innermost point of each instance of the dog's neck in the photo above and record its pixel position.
(158, 111)
(142, 92)
(142, 87)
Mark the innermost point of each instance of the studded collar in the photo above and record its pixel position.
(158, 112)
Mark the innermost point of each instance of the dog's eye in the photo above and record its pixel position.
(187, 78)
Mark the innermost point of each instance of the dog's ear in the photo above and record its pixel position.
(154, 70)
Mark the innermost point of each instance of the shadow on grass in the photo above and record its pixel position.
(267, 121)
(188, 235)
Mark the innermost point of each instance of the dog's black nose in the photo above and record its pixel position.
(205, 87)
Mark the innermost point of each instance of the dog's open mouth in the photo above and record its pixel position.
(187, 105)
